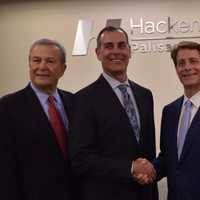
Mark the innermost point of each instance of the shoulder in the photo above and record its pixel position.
(91, 89)
(91, 95)
(173, 106)
(137, 88)
(13, 98)
(65, 93)
(174, 103)
(13, 102)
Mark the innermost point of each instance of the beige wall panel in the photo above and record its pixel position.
(22, 22)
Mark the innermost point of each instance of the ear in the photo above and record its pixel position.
(130, 52)
(64, 67)
(97, 50)
(29, 64)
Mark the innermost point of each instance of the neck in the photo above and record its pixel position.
(189, 92)
(120, 77)
(46, 90)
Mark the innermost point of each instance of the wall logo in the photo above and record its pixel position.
(145, 36)
(84, 37)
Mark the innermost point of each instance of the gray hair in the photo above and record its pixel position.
(49, 42)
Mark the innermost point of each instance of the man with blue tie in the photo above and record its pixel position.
(180, 138)
(180, 128)
(34, 131)
(112, 125)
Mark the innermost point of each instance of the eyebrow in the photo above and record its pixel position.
(41, 57)
(120, 42)
(187, 58)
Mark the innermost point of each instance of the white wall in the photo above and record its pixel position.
(22, 22)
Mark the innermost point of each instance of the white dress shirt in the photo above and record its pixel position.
(195, 99)
(43, 98)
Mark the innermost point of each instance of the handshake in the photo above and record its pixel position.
(143, 171)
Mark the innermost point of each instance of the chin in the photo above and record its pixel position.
(42, 84)
(190, 84)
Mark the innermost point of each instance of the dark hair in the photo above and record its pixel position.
(49, 42)
(110, 29)
(183, 45)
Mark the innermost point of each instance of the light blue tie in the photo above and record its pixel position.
(130, 110)
(184, 126)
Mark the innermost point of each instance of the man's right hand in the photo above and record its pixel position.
(143, 171)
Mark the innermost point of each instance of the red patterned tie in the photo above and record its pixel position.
(57, 124)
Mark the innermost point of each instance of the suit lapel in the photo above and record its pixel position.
(191, 135)
(39, 119)
(141, 105)
(65, 100)
(173, 119)
(36, 109)
(105, 90)
(115, 105)
(139, 102)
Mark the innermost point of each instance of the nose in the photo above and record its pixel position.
(116, 50)
(187, 65)
(43, 64)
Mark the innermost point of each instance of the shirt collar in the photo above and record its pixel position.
(195, 99)
(43, 96)
(113, 82)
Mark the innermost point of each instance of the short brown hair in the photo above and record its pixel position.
(183, 45)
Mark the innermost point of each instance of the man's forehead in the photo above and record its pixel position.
(47, 49)
(43, 56)
(112, 33)
(113, 40)
(39, 47)
(188, 52)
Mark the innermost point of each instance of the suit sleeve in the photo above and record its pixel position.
(159, 162)
(8, 165)
(151, 139)
(88, 159)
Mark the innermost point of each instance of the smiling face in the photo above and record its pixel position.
(45, 67)
(114, 54)
(188, 69)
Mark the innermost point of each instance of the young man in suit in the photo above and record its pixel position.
(180, 139)
(105, 140)
(34, 156)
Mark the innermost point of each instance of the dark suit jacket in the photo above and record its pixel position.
(31, 166)
(103, 144)
(183, 175)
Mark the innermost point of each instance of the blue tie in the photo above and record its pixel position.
(184, 126)
(130, 110)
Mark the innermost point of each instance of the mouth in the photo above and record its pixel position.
(42, 75)
(116, 60)
(188, 75)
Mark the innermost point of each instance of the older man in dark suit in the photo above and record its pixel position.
(113, 125)
(34, 125)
